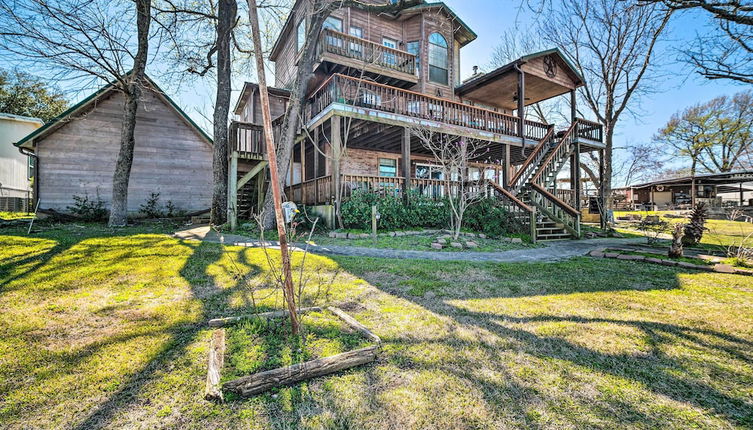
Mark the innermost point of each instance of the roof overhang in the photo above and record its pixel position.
(19, 118)
(462, 32)
(736, 177)
(250, 88)
(89, 102)
(547, 74)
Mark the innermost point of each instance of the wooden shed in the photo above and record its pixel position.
(76, 153)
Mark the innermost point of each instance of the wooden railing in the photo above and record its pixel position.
(311, 192)
(359, 92)
(548, 169)
(524, 213)
(556, 209)
(567, 196)
(589, 130)
(532, 162)
(247, 138)
(366, 51)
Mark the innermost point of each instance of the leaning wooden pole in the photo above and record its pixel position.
(289, 291)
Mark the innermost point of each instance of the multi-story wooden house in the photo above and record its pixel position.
(379, 76)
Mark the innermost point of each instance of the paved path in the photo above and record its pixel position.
(552, 251)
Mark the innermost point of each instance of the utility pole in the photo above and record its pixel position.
(288, 290)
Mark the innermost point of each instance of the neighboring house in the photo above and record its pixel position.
(715, 189)
(15, 167)
(76, 153)
(379, 75)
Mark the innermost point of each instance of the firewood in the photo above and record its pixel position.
(355, 324)
(262, 381)
(214, 369)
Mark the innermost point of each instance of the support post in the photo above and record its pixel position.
(573, 107)
(522, 106)
(316, 165)
(603, 215)
(261, 178)
(742, 196)
(336, 146)
(374, 222)
(506, 169)
(233, 191)
(405, 150)
(576, 177)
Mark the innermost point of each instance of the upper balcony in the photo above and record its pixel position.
(343, 53)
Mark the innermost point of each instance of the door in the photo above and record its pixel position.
(389, 57)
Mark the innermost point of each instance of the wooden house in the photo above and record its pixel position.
(378, 76)
(76, 152)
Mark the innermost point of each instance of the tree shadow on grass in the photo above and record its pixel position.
(211, 304)
(673, 374)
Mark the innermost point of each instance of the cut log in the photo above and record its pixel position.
(263, 381)
(214, 369)
(222, 322)
(355, 324)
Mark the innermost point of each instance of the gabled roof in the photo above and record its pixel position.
(20, 118)
(464, 34)
(84, 104)
(249, 88)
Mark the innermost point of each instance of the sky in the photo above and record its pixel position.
(489, 18)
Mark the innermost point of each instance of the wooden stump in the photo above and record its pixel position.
(214, 369)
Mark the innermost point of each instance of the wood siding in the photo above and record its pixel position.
(170, 157)
(252, 111)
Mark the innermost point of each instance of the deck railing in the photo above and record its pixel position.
(532, 162)
(366, 51)
(367, 94)
(247, 138)
(590, 130)
(311, 192)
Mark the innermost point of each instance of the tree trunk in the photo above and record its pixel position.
(226, 13)
(607, 179)
(132, 93)
(675, 250)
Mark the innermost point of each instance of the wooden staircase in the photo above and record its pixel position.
(532, 185)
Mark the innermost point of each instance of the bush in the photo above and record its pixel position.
(490, 217)
(394, 214)
(151, 208)
(88, 209)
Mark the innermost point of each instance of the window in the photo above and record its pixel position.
(356, 48)
(389, 57)
(31, 168)
(301, 33)
(387, 167)
(490, 174)
(334, 23)
(438, 69)
(474, 174)
(414, 48)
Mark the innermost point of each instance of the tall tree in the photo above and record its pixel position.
(87, 41)
(725, 52)
(612, 44)
(26, 95)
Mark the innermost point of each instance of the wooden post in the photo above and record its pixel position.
(216, 360)
(506, 169)
(576, 177)
(288, 290)
(573, 109)
(316, 165)
(603, 217)
(260, 179)
(742, 196)
(405, 149)
(336, 147)
(374, 222)
(521, 106)
(233, 191)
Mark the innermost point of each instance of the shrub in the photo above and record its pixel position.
(88, 209)
(694, 229)
(394, 214)
(150, 208)
(490, 217)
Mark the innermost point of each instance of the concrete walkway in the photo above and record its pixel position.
(552, 251)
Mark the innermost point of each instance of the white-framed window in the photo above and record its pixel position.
(389, 57)
(334, 23)
(356, 48)
(414, 47)
(301, 34)
(474, 173)
(438, 59)
(490, 174)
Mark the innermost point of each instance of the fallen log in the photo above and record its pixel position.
(355, 324)
(222, 322)
(214, 369)
(263, 381)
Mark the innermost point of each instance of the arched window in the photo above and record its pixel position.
(438, 64)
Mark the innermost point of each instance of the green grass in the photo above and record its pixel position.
(721, 233)
(107, 329)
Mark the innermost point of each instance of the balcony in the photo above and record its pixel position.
(343, 53)
(395, 105)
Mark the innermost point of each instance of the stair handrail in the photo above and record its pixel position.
(528, 211)
(571, 220)
(567, 137)
(532, 158)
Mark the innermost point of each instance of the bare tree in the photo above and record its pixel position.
(454, 155)
(612, 44)
(642, 163)
(86, 41)
(726, 51)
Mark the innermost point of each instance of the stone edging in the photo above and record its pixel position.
(343, 235)
(719, 268)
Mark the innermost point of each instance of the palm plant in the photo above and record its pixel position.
(694, 229)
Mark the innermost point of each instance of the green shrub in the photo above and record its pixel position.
(422, 212)
(88, 209)
(150, 208)
(490, 217)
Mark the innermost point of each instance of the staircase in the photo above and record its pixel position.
(552, 219)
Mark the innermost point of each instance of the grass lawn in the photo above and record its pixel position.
(103, 330)
(720, 234)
